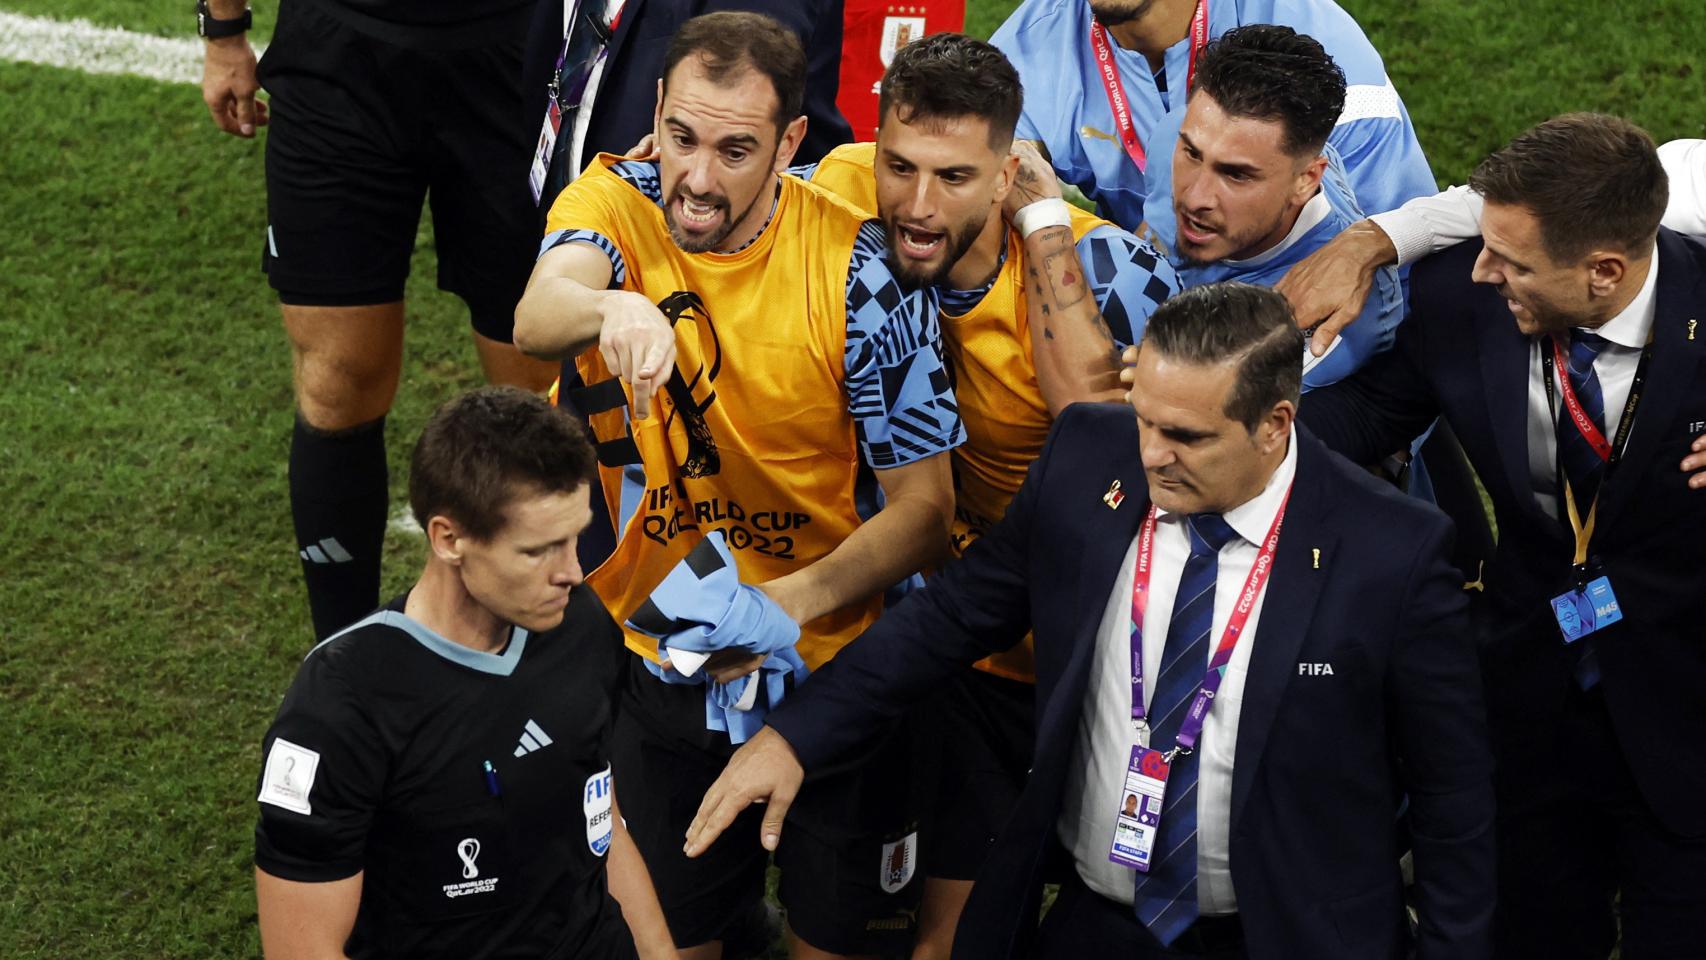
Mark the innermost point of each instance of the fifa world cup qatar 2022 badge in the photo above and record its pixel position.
(474, 881)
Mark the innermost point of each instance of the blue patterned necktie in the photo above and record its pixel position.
(1581, 464)
(1166, 897)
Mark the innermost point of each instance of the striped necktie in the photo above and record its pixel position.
(1582, 465)
(1166, 897)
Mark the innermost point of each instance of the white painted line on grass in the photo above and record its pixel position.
(81, 45)
(403, 521)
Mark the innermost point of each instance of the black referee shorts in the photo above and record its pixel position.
(362, 131)
(972, 751)
(848, 857)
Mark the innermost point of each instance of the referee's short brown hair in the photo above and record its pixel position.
(1592, 181)
(483, 449)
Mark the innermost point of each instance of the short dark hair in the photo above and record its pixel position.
(945, 76)
(482, 449)
(1221, 322)
(1591, 180)
(730, 43)
(1270, 72)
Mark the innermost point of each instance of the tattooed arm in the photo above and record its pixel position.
(1080, 320)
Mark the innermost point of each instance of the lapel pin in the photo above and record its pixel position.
(1476, 584)
(1691, 325)
(1317, 552)
(1113, 498)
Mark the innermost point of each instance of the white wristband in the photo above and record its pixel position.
(1049, 212)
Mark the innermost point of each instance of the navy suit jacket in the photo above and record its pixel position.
(1459, 355)
(627, 93)
(1322, 761)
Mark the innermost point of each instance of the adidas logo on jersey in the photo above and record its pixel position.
(328, 550)
(532, 738)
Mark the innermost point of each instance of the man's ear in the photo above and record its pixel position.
(792, 136)
(1005, 176)
(657, 114)
(1275, 428)
(1309, 179)
(446, 539)
(1607, 270)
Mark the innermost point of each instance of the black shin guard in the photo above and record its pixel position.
(339, 495)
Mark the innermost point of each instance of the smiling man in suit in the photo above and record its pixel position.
(1576, 416)
(1295, 679)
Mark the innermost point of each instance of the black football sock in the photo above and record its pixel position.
(339, 495)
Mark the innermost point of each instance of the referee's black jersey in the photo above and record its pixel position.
(472, 788)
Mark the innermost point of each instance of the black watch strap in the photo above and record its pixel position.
(213, 28)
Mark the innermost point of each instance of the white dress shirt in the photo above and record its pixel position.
(1626, 336)
(1103, 746)
(1427, 225)
(583, 113)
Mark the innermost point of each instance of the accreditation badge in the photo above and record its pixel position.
(546, 149)
(1138, 819)
(1584, 611)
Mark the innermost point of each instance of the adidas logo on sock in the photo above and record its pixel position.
(328, 550)
(532, 739)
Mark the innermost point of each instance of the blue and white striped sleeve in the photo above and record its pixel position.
(618, 266)
(1128, 277)
(898, 389)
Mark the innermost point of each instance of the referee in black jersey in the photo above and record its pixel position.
(377, 106)
(437, 782)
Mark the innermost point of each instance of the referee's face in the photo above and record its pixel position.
(524, 573)
(719, 154)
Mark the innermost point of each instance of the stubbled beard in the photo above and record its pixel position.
(955, 245)
(1114, 14)
(695, 242)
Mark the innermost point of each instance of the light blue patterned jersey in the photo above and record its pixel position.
(1066, 106)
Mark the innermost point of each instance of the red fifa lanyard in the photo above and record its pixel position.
(1115, 88)
(1578, 416)
(1191, 727)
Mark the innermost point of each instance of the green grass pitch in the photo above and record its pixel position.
(150, 606)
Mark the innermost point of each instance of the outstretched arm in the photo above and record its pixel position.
(1328, 288)
(908, 533)
(976, 606)
(568, 306)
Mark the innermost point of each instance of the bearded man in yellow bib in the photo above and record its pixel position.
(762, 382)
(1037, 299)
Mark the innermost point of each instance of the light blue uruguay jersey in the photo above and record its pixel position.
(1066, 105)
(1322, 218)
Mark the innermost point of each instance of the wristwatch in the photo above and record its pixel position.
(210, 27)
